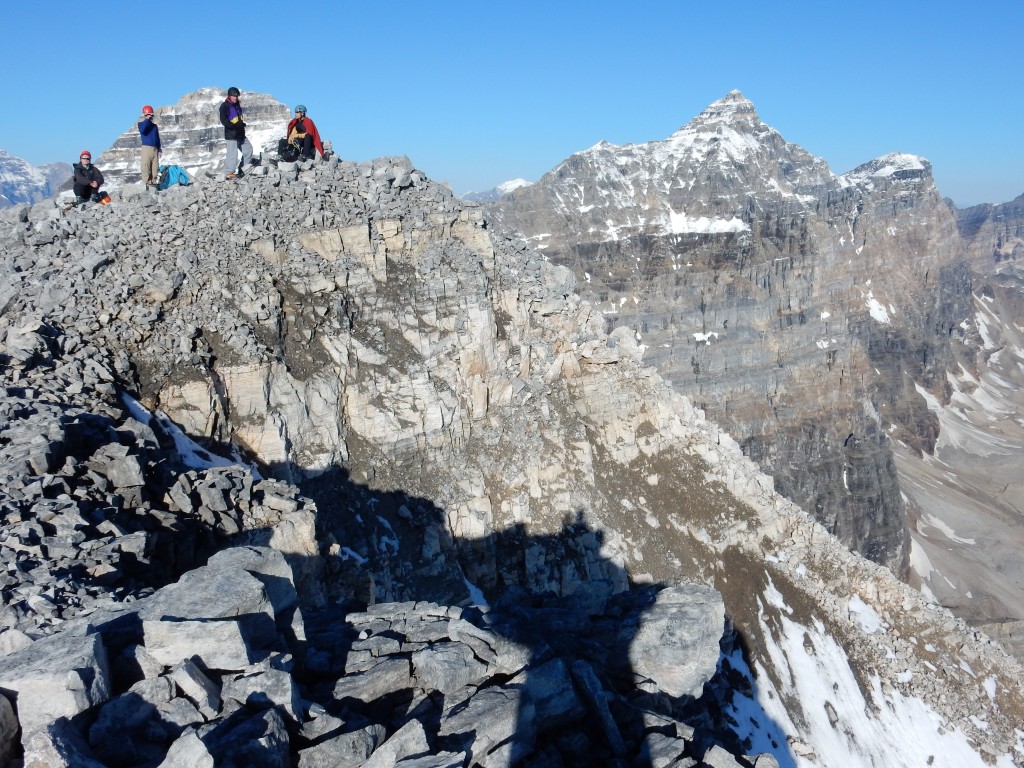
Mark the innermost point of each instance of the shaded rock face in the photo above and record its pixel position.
(192, 136)
(794, 306)
(992, 234)
(21, 182)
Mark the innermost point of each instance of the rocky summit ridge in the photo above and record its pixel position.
(313, 468)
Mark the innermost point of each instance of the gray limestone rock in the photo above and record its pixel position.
(676, 643)
(265, 688)
(344, 749)
(197, 687)
(8, 729)
(57, 676)
(410, 739)
(390, 674)
(58, 744)
(446, 667)
(188, 751)
(493, 718)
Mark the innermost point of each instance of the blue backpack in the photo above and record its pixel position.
(171, 175)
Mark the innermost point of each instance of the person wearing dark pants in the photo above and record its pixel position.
(303, 134)
(88, 179)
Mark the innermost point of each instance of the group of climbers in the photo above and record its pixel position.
(301, 136)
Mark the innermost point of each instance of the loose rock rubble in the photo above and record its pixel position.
(222, 668)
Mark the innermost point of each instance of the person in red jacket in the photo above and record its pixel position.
(302, 133)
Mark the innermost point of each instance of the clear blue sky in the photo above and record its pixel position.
(476, 93)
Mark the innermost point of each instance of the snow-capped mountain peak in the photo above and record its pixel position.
(732, 108)
(22, 182)
(693, 182)
(895, 165)
(513, 184)
(496, 193)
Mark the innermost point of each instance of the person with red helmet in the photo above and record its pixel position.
(88, 180)
(151, 149)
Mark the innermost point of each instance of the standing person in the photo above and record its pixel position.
(88, 179)
(302, 133)
(234, 134)
(151, 149)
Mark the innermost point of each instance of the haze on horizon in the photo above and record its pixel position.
(479, 94)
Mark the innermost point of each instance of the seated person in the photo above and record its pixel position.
(303, 134)
(88, 179)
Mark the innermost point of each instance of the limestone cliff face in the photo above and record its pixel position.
(192, 136)
(794, 306)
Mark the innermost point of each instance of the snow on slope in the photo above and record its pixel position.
(839, 729)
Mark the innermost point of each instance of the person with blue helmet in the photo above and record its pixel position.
(302, 133)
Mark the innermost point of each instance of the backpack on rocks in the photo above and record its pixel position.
(287, 151)
(171, 175)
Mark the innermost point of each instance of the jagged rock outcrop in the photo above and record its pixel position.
(469, 435)
(192, 136)
(796, 307)
(21, 182)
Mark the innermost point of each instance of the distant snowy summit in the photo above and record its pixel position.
(895, 165)
(498, 192)
(22, 182)
(700, 180)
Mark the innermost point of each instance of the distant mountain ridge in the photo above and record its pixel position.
(22, 182)
(784, 299)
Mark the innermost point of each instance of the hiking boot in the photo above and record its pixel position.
(231, 176)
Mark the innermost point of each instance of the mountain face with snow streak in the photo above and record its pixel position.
(21, 182)
(192, 136)
(796, 306)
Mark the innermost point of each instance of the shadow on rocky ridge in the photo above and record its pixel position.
(225, 662)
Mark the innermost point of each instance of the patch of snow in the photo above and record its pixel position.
(508, 186)
(681, 223)
(878, 727)
(945, 530)
(877, 310)
(705, 337)
(864, 616)
(476, 597)
(347, 553)
(191, 453)
(989, 685)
